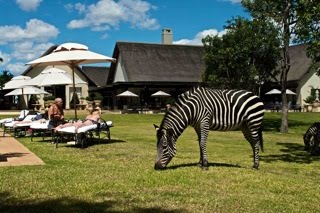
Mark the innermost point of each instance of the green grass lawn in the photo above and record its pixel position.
(119, 176)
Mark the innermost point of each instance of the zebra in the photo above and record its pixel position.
(209, 109)
(311, 138)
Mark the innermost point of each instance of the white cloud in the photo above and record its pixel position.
(28, 5)
(35, 30)
(109, 13)
(28, 50)
(25, 44)
(22, 52)
(16, 68)
(197, 40)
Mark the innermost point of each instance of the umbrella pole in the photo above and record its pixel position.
(74, 92)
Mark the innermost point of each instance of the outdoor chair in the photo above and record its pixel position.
(20, 127)
(22, 115)
(83, 135)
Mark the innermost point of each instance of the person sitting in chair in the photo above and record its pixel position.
(92, 118)
(56, 114)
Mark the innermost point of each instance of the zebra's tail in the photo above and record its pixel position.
(260, 139)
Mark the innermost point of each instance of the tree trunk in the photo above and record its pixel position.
(285, 68)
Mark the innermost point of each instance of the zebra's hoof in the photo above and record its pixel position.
(205, 168)
(255, 167)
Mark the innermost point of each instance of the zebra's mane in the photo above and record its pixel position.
(175, 109)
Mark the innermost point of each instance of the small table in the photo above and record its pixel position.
(81, 106)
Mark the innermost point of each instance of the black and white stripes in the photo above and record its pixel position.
(311, 138)
(209, 109)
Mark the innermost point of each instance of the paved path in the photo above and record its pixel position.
(13, 153)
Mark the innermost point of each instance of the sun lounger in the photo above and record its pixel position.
(18, 125)
(41, 128)
(84, 134)
(22, 115)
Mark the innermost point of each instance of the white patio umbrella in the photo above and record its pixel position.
(289, 92)
(127, 94)
(278, 92)
(27, 90)
(71, 54)
(273, 92)
(18, 82)
(160, 94)
(54, 76)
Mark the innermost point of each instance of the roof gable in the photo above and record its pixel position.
(98, 75)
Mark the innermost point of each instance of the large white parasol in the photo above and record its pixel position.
(71, 54)
(27, 90)
(54, 76)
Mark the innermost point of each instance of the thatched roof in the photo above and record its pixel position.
(300, 63)
(98, 75)
(145, 62)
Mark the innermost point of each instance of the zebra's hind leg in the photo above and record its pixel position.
(202, 139)
(253, 138)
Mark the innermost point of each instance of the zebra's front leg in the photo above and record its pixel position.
(202, 139)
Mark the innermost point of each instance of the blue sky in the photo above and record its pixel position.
(29, 27)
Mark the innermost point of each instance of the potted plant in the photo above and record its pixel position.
(97, 99)
(309, 101)
(48, 100)
(169, 102)
(89, 101)
(82, 100)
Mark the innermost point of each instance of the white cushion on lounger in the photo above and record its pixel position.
(71, 129)
(40, 125)
(29, 117)
(22, 124)
(6, 120)
(109, 123)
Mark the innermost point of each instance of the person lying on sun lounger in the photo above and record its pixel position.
(29, 119)
(93, 118)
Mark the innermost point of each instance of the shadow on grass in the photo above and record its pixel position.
(94, 142)
(291, 153)
(4, 157)
(196, 164)
(67, 204)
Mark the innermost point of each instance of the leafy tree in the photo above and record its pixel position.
(5, 76)
(296, 20)
(242, 58)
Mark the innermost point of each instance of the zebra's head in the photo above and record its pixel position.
(166, 148)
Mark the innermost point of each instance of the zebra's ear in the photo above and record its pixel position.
(156, 127)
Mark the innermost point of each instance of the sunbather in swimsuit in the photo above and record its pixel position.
(93, 118)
